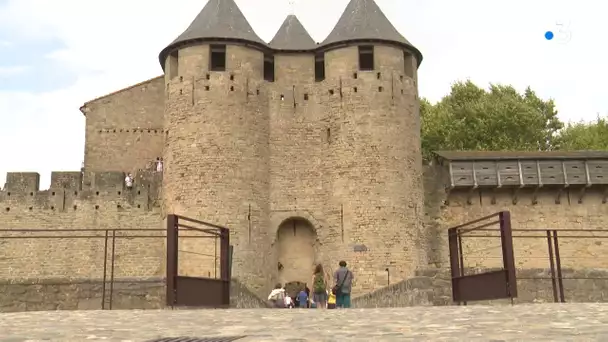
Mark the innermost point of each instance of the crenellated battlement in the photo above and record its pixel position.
(75, 190)
(240, 88)
(228, 84)
(198, 89)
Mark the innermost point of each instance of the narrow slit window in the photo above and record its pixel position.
(319, 67)
(172, 65)
(408, 68)
(366, 58)
(269, 68)
(217, 58)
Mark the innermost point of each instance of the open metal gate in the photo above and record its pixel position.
(495, 284)
(198, 290)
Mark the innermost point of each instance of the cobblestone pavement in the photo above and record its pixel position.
(544, 322)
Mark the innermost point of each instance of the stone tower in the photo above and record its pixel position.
(373, 155)
(216, 151)
(309, 153)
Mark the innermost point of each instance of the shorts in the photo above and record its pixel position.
(320, 297)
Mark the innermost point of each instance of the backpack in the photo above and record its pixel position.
(319, 284)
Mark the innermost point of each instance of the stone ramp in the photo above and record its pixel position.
(540, 322)
(243, 298)
(433, 287)
(415, 291)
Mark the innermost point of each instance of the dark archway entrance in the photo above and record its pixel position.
(293, 288)
(296, 239)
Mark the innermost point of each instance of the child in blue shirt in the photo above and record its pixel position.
(303, 299)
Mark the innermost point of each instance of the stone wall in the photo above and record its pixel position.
(88, 294)
(124, 130)
(60, 233)
(53, 244)
(579, 218)
(433, 287)
(80, 294)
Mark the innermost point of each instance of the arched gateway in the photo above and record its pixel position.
(297, 252)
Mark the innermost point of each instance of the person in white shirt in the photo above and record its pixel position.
(159, 164)
(277, 297)
(288, 302)
(129, 181)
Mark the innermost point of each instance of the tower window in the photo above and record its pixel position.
(269, 68)
(409, 65)
(319, 67)
(171, 65)
(366, 58)
(217, 59)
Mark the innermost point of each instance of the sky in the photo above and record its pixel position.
(57, 54)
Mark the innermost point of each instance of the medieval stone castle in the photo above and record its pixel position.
(309, 152)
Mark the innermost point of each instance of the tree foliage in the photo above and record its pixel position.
(585, 135)
(499, 119)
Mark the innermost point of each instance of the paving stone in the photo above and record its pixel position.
(538, 322)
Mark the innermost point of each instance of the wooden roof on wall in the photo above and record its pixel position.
(520, 155)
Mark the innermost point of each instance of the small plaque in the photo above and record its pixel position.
(360, 248)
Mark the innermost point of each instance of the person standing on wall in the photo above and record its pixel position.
(319, 287)
(129, 181)
(343, 285)
(159, 164)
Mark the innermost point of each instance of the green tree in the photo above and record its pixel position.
(585, 135)
(472, 118)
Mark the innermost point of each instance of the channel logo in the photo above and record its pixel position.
(560, 33)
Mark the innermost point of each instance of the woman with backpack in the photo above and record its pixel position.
(319, 287)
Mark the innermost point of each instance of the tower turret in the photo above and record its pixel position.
(216, 151)
(374, 161)
(364, 24)
(292, 36)
(363, 20)
(293, 56)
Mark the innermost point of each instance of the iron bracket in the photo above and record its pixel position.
(535, 195)
(558, 197)
(470, 195)
(515, 195)
(581, 194)
(448, 192)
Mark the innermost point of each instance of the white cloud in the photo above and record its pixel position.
(13, 70)
(112, 44)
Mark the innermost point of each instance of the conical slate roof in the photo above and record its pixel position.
(292, 36)
(218, 19)
(363, 19)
